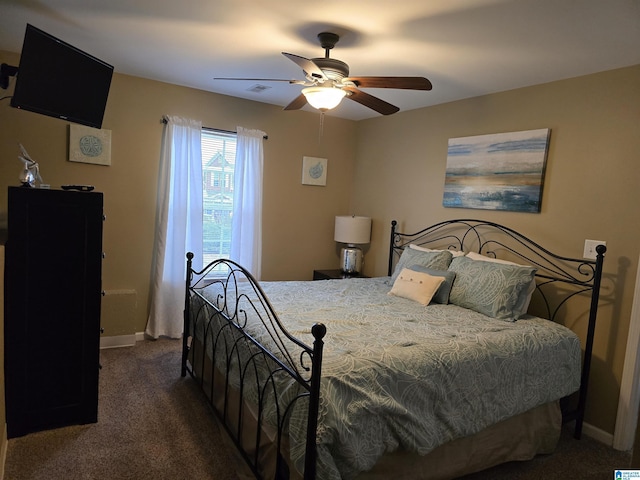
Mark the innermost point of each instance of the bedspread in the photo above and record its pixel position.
(397, 374)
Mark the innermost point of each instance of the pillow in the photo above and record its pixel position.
(417, 286)
(484, 258)
(491, 288)
(439, 260)
(454, 253)
(525, 299)
(442, 295)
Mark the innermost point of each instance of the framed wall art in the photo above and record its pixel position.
(314, 171)
(89, 145)
(503, 171)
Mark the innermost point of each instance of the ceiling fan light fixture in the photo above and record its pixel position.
(323, 98)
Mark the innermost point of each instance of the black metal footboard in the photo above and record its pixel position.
(559, 279)
(254, 373)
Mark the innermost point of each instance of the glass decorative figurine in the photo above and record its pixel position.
(31, 171)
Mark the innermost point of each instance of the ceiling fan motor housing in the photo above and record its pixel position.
(334, 69)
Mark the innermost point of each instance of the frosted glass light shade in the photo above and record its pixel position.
(352, 230)
(323, 98)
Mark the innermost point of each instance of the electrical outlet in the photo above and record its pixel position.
(590, 248)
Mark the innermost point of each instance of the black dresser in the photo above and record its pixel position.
(53, 288)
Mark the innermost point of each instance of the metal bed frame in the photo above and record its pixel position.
(222, 325)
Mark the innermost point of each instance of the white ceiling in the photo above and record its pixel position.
(465, 47)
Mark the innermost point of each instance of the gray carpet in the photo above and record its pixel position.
(153, 424)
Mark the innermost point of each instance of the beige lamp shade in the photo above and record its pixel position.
(352, 230)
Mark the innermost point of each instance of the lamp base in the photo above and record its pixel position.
(351, 259)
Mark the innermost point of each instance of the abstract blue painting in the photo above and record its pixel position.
(503, 171)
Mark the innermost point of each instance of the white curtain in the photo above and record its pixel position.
(246, 224)
(178, 224)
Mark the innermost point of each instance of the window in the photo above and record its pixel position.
(218, 162)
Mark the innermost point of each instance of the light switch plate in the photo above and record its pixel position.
(590, 248)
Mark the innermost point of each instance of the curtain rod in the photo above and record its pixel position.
(266, 137)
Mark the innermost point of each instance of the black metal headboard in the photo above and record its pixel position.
(577, 276)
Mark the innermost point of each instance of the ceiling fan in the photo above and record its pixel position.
(327, 82)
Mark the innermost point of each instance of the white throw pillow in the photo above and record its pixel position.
(417, 286)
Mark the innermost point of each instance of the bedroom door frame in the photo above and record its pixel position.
(629, 402)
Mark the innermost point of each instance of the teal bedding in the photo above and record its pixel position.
(397, 374)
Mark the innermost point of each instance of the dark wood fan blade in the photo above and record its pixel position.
(297, 103)
(370, 101)
(307, 65)
(409, 83)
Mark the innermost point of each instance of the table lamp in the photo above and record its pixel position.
(352, 230)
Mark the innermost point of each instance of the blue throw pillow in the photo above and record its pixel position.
(492, 289)
(438, 260)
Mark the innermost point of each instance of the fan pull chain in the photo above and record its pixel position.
(321, 132)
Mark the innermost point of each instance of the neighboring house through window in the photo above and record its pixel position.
(218, 165)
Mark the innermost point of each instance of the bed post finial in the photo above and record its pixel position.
(393, 234)
(319, 330)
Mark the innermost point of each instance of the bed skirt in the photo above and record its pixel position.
(515, 439)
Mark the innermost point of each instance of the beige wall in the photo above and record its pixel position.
(298, 219)
(386, 167)
(591, 188)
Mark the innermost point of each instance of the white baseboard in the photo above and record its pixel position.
(597, 434)
(117, 341)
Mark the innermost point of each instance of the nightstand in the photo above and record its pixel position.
(335, 274)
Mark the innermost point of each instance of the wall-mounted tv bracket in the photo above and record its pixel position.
(6, 71)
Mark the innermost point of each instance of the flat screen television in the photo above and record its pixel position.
(60, 80)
